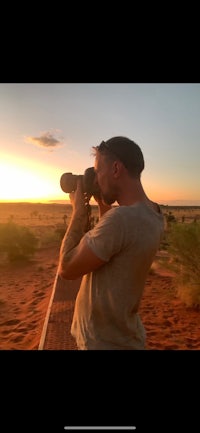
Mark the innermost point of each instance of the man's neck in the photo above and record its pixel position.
(131, 193)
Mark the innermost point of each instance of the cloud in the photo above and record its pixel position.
(46, 140)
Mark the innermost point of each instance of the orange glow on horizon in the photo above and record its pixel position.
(22, 180)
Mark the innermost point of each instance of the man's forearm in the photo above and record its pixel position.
(72, 237)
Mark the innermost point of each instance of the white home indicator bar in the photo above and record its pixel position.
(132, 427)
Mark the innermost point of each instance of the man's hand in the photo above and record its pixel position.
(103, 207)
(80, 204)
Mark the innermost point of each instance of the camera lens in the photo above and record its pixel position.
(68, 182)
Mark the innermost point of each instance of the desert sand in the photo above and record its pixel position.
(25, 292)
(26, 288)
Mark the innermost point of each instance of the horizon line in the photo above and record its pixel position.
(178, 203)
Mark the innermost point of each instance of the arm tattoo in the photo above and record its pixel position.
(76, 230)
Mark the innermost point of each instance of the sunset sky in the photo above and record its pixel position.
(49, 129)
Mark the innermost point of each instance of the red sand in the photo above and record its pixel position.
(25, 292)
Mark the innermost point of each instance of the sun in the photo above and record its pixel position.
(18, 183)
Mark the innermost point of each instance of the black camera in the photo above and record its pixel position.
(68, 182)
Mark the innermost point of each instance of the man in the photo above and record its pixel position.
(114, 257)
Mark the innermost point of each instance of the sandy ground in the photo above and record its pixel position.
(25, 291)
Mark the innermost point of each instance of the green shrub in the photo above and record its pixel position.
(184, 249)
(51, 237)
(17, 241)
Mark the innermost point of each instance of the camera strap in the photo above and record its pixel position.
(89, 212)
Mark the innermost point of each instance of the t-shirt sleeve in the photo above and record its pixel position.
(108, 236)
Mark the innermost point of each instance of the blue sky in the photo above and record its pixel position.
(48, 129)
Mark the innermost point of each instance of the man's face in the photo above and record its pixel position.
(104, 175)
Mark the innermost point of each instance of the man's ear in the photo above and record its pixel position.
(117, 168)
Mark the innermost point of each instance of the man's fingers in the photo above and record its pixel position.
(71, 196)
(80, 183)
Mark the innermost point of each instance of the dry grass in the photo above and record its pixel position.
(182, 213)
(48, 222)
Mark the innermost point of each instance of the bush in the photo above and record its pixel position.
(17, 241)
(184, 249)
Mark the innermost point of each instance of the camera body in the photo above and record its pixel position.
(68, 182)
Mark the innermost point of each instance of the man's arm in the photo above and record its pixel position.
(76, 258)
(103, 207)
(81, 260)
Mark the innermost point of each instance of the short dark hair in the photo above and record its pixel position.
(126, 150)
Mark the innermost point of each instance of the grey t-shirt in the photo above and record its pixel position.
(106, 310)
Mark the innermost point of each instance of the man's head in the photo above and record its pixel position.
(125, 150)
(116, 159)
